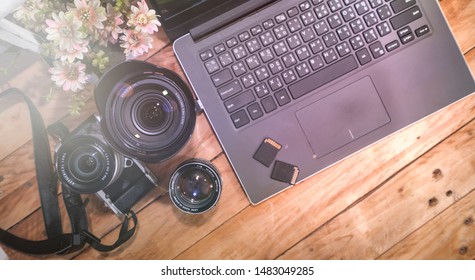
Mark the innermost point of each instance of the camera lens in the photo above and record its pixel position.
(152, 116)
(148, 112)
(195, 186)
(86, 164)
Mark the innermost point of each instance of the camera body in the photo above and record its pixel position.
(87, 164)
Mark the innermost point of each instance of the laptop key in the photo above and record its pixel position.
(408, 38)
(377, 50)
(231, 42)
(240, 119)
(282, 97)
(316, 62)
(222, 77)
(401, 5)
(225, 59)
(329, 56)
(363, 56)
(229, 90)
(422, 31)
(239, 68)
(255, 111)
(248, 80)
(392, 46)
(361, 7)
(292, 12)
(261, 90)
(289, 76)
(275, 83)
(206, 55)
(244, 36)
(384, 12)
(239, 101)
(212, 66)
(302, 69)
(268, 104)
(268, 24)
(322, 77)
(406, 17)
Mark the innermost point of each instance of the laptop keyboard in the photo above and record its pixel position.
(297, 51)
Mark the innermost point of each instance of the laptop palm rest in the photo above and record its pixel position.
(342, 117)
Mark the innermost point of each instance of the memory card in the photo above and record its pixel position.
(267, 151)
(285, 172)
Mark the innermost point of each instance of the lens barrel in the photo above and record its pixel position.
(195, 186)
(147, 112)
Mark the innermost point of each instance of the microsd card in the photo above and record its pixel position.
(267, 151)
(285, 172)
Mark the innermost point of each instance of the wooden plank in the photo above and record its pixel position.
(461, 15)
(411, 198)
(450, 235)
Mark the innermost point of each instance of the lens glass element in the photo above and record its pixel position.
(195, 186)
(153, 115)
(86, 164)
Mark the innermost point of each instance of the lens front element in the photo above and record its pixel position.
(195, 186)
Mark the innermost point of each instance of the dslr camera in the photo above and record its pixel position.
(86, 164)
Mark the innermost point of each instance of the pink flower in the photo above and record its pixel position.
(69, 76)
(135, 44)
(113, 22)
(76, 53)
(143, 19)
(64, 31)
(90, 13)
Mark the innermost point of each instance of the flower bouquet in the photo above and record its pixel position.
(81, 35)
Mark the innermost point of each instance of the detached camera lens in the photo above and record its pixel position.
(195, 186)
(148, 112)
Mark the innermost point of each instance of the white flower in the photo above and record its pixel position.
(28, 10)
(143, 19)
(64, 31)
(69, 76)
(90, 13)
(135, 44)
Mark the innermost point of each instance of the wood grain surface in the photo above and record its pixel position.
(410, 196)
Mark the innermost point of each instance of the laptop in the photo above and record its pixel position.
(293, 87)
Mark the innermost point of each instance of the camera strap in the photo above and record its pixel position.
(57, 242)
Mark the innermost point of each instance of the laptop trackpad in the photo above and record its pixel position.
(342, 117)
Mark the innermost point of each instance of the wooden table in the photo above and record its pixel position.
(410, 196)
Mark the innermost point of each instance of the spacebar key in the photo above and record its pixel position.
(323, 76)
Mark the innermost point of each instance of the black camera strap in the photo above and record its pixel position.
(57, 241)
